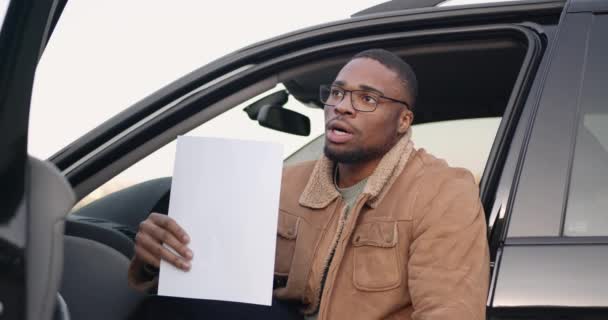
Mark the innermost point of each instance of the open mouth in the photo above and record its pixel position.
(338, 132)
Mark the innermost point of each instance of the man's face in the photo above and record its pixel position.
(352, 136)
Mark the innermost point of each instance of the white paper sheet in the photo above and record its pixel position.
(225, 194)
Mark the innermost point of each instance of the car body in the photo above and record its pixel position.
(541, 66)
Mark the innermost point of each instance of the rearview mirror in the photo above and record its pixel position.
(278, 98)
(285, 120)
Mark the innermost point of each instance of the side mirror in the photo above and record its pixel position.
(278, 98)
(285, 120)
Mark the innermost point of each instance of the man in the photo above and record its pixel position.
(375, 229)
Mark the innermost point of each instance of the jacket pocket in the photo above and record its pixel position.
(287, 233)
(376, 262)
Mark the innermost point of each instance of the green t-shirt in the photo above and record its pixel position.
(351, 193)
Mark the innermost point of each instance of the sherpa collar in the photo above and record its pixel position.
(320, 190)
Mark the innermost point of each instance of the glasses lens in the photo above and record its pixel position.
(331, 96)
(365, 101)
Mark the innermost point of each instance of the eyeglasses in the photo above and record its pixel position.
(361, 100)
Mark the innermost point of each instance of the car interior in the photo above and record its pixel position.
(50, 196)
(459, 78)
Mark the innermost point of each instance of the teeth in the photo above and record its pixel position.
(339, 132)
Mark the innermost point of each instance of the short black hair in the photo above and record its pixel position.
(393, 62)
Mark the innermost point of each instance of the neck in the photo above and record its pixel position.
(350, 174)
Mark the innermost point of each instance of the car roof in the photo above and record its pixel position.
(469, 2)
(401, 5)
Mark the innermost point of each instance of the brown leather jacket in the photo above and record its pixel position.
(413, 247)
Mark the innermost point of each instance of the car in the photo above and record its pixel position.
(536, 70)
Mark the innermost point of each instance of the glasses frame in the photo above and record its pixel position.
(352, 103)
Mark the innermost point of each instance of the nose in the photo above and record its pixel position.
(345, 107)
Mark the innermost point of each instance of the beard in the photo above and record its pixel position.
(358, 154)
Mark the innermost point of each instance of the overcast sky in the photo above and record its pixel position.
(106, 55)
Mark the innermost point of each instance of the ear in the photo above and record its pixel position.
(406, 117)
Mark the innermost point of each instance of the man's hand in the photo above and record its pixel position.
(159, 229)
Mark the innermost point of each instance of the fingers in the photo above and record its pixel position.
(146, 256)
(167, 223)
(160, 235)
(151, 246)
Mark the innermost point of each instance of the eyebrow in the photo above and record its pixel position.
(368, 88)
(362, 87)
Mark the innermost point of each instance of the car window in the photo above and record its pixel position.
(587, 206)
(462, 143)
(234, 123)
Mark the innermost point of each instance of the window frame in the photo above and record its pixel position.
(161, 128)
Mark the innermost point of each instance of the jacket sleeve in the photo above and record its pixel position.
(140, 278)
(448, 269)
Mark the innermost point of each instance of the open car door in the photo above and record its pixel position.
(35, 196)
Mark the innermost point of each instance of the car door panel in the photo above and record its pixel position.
(539, 275)
(28, 186)
(544, 271)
